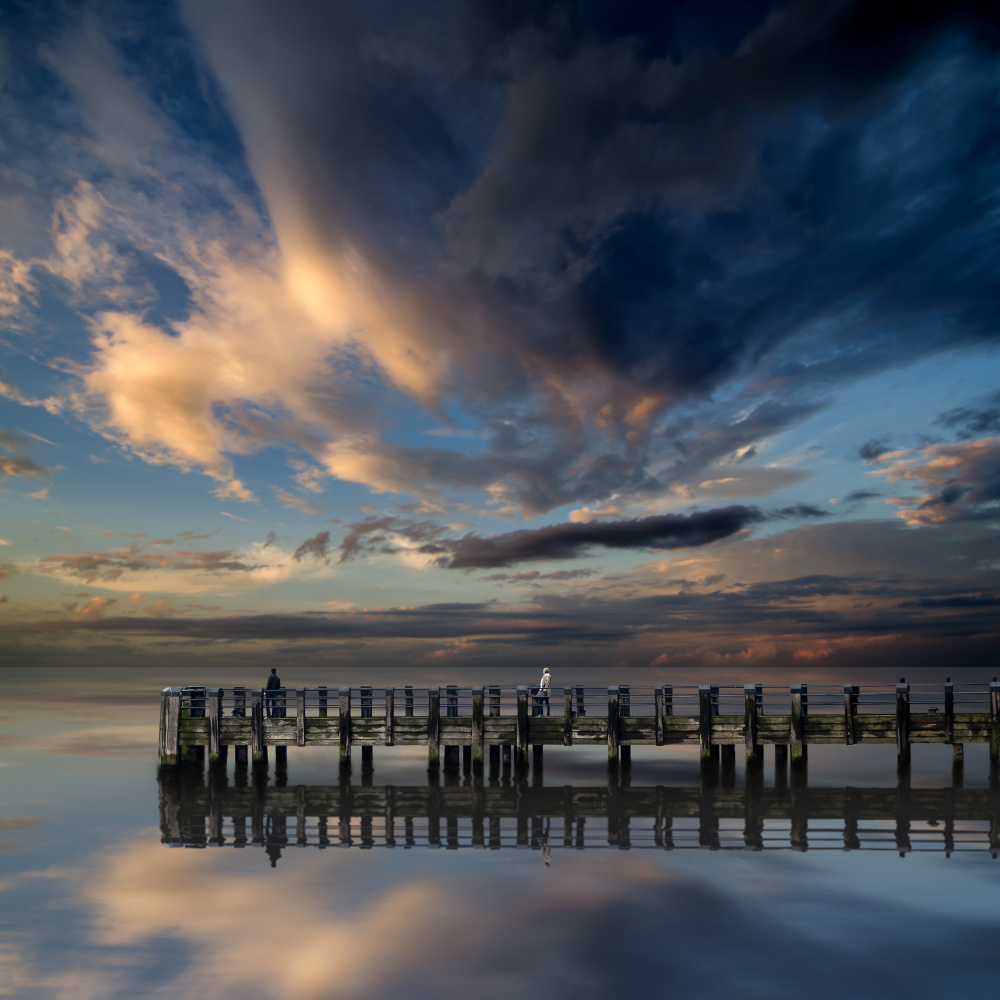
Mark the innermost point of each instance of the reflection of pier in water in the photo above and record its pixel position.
(199, 813)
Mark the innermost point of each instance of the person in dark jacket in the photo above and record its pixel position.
(273, 685)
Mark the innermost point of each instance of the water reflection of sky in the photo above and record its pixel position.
(94, 906)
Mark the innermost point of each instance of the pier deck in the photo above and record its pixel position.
(495, 719)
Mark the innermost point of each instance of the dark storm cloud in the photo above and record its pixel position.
(373, 534)
(569, 541)
(648, 201)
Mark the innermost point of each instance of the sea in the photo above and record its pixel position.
(105, 893)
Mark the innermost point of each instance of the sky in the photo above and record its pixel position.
(484, 334)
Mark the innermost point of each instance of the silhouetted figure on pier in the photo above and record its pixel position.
(542, 698)
(271, 697)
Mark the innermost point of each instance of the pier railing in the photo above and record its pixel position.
(496, 718)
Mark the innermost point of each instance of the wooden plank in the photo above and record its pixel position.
(344, 727)
(613, 734)
(300, 717)
(390, 717)
(433, 728)
(521, 741)
(477, 730)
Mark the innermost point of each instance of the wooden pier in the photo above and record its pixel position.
(196, 813)
(503, 722)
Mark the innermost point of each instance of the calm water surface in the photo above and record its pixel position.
(95, 906)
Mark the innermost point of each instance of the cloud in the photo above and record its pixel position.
(94, 608)
(6, 570)
(873, 449)
(962, 481)
(301, 504)
(974, 420)
(318, 547)
(15, 456)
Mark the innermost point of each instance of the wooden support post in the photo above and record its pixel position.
(214, 726)
(799, 749)
(322, 701)
(345, 726)
(240, 712)
(567, 716)
(994, 721)
(171, 712)
(433, 728)
(780, 765)
(494, 747)
(727, 765)
(451, 711)
(750, 722)
(258, 748)
(300, 717)
(390, 717)
(537, 761)
(705, 720)
(852, 695)
(759, 697)
(625, 711)
(521, 748)
(903, 723)
(466, 760)
(658, 712)
(613, 734)
(477, 730)
(408, 701)
(949, 712)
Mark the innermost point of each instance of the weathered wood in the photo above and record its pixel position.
(390, 717)
(994, 720)
(613, 734)
(750, 720)
(173, 726)
(624, 712)
(798, 748)
(852, 695)
(433, 728)
(477, 729)
(567, 716)
(521, 742)
(903, 723)
(705, 719)
(258, 749)
(214, 724)
(300, 717)
(450, 711)
(658, 710)
(344, 726)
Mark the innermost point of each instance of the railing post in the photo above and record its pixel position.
(903, 723)
(451, 711)
(170, 721)
(390, 716)
(300, 717)
(567, 716)
(477, 730)
(658, 712)
(214, 726)
(521, 747)
(322, 701)
(581, 708)
(851, 694)
(345, 725)
(750, 721)
(408, 701)
(258, 747)
(799, 751)
(613, 734)
(433, 728)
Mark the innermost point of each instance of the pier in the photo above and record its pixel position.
(500, 725)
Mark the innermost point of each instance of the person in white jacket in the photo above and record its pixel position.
(542, 698)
